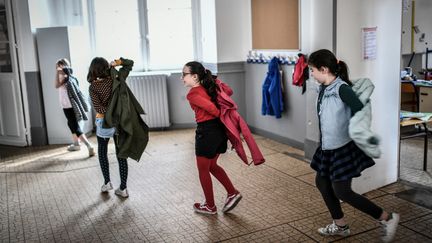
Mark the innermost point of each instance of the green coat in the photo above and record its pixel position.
(124, 114)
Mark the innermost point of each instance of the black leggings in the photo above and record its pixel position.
(72, 121)
(103, 160)
(333, 191)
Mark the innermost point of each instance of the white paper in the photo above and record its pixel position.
(369, 43)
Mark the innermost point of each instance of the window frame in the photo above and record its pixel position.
(144, 32)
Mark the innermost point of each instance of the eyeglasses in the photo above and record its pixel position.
(184, 74)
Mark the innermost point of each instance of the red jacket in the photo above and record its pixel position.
(235, 125)
(301, 65)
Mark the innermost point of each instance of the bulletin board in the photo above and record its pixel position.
(275, 24)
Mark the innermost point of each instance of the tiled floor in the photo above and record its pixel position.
(50, 195)
(411, 161)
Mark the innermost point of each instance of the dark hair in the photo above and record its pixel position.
(99, 68)
(63, 62)
(325, 58)
(206, 79)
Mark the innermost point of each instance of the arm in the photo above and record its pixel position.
(350, 98)
(203, 103)
(57, 81)
(126, 64)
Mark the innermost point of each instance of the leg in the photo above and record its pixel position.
(72, 124)
(344, 192)
(103, 157)
(324, 185)
(388, 221)
(123, 169)
(221, 176)
(203, 165)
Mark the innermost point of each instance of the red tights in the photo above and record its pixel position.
(207, 166)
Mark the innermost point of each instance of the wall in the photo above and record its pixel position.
(291, 128)
(423, 20)
(234, 30)
(319, 35)
(352, 15)
(208, 31)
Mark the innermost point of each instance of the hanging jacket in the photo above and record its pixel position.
(123, 113)
(360, 124)
(235, 125)
(272, 101)
(300, 74)
(76, 97)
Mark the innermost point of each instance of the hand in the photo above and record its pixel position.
(113, 63)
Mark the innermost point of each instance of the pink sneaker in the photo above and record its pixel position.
(204, 208)
(231, 202)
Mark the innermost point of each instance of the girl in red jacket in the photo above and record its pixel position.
(210, 136)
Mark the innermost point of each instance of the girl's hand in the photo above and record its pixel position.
(113, 63)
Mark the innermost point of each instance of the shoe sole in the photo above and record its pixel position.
(121, 195)
(233, 206)
(341, 234)
(204, 212)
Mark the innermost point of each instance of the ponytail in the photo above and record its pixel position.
(206, 79)
(343, 72)
(325, 58)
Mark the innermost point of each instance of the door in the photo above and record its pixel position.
(12, 123)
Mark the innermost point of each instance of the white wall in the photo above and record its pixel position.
(208, 31)
(317, 33)
(234, 30)
(352, 15)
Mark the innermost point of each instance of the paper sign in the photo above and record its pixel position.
(369, 43)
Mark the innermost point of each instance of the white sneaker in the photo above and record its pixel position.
(389, 227)
(334, 229)
(122, 193)
(91, 151)
(106, 187)
(73, 147)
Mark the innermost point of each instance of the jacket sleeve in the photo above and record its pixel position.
(226, 88)
(203, 103)
(127, 65)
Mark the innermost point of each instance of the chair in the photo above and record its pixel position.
(427, 73)
(409, 96)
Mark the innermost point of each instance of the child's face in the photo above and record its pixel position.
(60, 68)
(189, 79)
(318, 74)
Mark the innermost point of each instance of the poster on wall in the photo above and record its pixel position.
(369, 48)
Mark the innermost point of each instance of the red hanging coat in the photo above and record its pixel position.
(235, 125)
(300, 66)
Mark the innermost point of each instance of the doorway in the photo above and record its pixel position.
(12, 119)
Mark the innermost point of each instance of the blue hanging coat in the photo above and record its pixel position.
(272, 102)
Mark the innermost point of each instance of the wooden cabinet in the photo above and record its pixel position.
(425, 99)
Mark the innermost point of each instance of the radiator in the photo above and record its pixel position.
(151, 92)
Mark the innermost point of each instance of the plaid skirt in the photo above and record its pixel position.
(341, 164)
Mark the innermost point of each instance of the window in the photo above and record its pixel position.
(117, 31)
(156, 34)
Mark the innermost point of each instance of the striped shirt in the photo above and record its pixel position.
(100, 93)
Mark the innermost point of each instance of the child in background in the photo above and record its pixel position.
(73, 104)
